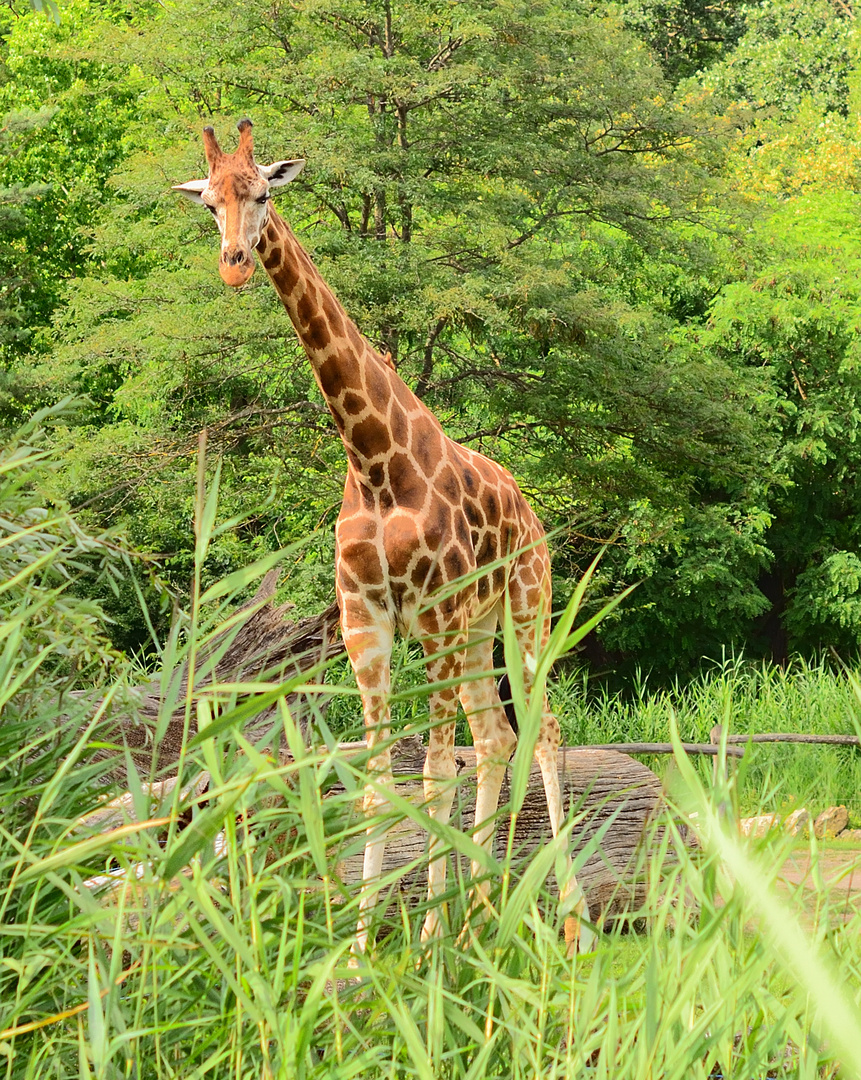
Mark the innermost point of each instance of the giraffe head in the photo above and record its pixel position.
(237, 192)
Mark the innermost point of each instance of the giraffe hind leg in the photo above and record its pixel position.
(369, 647)
(440, 771)
(578, 936)
(493, 738)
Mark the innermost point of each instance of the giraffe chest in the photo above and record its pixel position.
(403, 563)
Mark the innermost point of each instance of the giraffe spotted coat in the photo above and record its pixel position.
(431, 541)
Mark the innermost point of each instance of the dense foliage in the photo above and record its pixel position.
(130, 944)
(613, 246)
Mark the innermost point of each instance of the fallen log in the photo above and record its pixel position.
(666, 748)
(266, 645)
(602, 785)
(794, 737)
(606, 785)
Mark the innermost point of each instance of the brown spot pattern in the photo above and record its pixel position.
(455, 564)
(462, 531)
(307, 304)
(422, 568)
(408, 487)
(370, 437)
(399, 426)
(286, 279)
(318, 336)
(438, 524)
(401, 541)
(377, 387)
(332, 311)
(486, 552)
(446, 484)
(364, 561)
(353, 404)
(475, 510)
(336, 376)
(426, 445)
(272, 258)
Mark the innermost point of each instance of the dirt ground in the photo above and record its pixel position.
(837, 872)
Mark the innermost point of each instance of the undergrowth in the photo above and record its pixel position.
(137, 948)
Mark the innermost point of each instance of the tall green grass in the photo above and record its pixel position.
(747, 699)
(220, 950)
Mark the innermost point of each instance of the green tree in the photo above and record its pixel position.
(509, 198)
(790, 52)
(791, 317)
(687, 36)
(63, 118)
(797, 318)
(23, 303)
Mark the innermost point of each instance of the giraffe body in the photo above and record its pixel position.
(420, 512)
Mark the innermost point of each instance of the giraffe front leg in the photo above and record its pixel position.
(440, 777)
(369, 647)
(440, 773)
(578, 937)
(530, 607)
(493, 739)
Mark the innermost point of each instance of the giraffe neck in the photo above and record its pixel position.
(372, 406)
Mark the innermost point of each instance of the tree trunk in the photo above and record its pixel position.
(265, 645)
(601, 785)
(607, 786)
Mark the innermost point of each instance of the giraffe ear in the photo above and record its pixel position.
(281, 172)
(192, 189)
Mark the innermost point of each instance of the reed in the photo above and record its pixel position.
(220, 950)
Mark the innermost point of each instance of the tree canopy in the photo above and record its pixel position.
(612, 246)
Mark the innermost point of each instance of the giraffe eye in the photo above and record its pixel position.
(263, 200)
(210, 208)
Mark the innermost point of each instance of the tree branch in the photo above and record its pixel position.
(427, 362)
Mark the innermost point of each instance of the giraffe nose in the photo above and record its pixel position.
(236, 267)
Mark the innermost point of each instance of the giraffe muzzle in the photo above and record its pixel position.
(236, 267)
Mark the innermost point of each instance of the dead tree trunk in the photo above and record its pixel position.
(606, 786)
(266, 646)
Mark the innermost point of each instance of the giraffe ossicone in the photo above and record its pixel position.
(420, 513)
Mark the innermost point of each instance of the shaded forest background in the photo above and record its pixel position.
(615, 246)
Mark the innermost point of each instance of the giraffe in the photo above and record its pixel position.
(419, 512)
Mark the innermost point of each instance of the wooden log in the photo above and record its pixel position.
(267, 645)
(606, 785)
(665, 748)
(795, 737)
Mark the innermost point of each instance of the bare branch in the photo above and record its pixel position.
(427, 363)
(442, 57)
